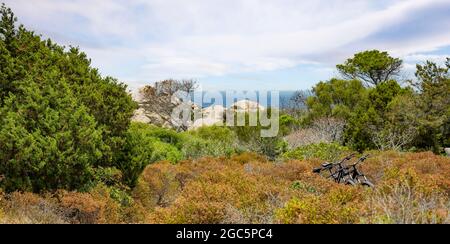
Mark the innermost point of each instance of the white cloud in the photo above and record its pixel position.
(410, 62)
(201, 38)
(416, 58)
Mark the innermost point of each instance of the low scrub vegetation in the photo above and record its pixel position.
(325, 151)
(246, 188)
(69, 152)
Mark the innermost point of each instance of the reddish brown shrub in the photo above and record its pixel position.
(410, 188)
(406, 197)
(340, 205)
(249, 157)
(29, 208)
(158, 185)
(89, 208)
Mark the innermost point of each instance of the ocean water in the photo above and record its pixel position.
(220, 98)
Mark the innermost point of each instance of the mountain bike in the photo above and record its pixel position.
(357, 176)
(333, 170)
(342, 174)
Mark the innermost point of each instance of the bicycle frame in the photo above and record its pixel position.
(340, 168)
(346, 174)
(356, 174)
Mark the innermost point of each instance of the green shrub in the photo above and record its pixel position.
(163, 151)
(250, 140)
(59, 119)
(146, 144)
(210, 141)
(109, 176)
(323, 151)
(162, 134)
(288, 124)
(194, 147)
(215, 133)
(47, 140)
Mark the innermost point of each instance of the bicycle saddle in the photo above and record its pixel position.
(326, 164)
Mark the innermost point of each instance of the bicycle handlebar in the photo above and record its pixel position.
(361, 160)
(346, 159)
(350, 156)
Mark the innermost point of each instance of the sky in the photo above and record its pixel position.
(239, 44)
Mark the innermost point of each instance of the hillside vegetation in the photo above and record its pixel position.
(69, 152)
(411, 188)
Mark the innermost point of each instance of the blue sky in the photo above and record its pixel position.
(239, 44)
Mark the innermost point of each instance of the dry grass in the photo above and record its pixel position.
(410, 188)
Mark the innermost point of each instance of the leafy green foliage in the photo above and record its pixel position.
(383, 94)
(162, 134)
(386, 115)
(433, 100)
(216, 133)
(337, 98)
(365, 110)
(145, 144)
(373, 67)
(210, 141)
(48, 140)
(288, 124)
(344, 99)
(59, 119)
(194, 147)
(250, 139)
(323, 151)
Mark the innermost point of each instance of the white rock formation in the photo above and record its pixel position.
(214, 112)
(247, 106)
(213, 115)
(139, 116)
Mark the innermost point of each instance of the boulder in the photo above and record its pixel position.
(140, 116)
(214, 112)
(247, 106)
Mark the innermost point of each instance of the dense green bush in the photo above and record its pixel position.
(324, 151)
(385, 115)
(365, 110)
(433, 101)
(146, 144)
(162, 134)
(59, 119)
(165, 151)
(288, 124)
(47, 140)
(216, 133)
(250, 137)
(194, 147)
(210, 141)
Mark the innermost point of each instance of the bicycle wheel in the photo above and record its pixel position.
(329, 173)
(362, 180)
(317, 170)
(367, 184)
(350, 182)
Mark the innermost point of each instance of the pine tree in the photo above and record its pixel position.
(60, 119)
